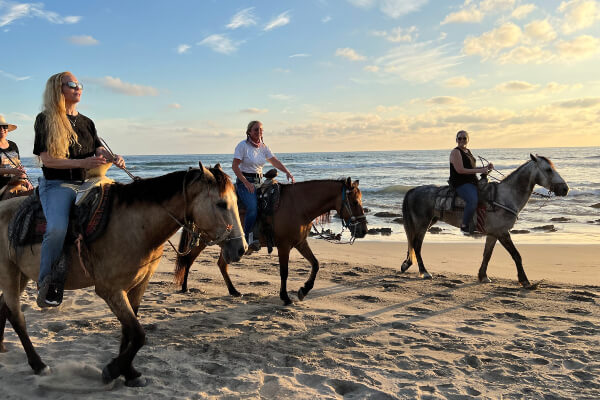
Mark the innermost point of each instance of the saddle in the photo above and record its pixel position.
(447, 200)
(267, 195)
(88, 220)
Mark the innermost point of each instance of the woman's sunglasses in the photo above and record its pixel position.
(74, 85)
(3, 126)
(461, 138)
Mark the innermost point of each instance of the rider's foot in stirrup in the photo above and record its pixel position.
(48, 295)
(253, 244)
(465, 230)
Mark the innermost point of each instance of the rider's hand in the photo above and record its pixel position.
(290, 177)
(19, 172)
(93, 162)
(490, 166)
(249, 186)
(118, 161)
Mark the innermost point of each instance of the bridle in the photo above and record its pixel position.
(197, 237)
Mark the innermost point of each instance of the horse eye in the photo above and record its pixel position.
(222, 204)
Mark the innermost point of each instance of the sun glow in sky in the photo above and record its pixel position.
(187, 76)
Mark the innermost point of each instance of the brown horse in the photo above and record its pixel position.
(299, 205)
(121, 262)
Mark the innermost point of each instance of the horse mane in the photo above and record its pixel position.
(323, 218)
(526, 163)
(164, 187)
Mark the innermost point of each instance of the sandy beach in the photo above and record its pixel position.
(366, 331)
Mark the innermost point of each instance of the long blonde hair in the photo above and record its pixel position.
(58, 126)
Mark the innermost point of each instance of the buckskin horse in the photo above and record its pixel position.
(512, 194)
(120, 262)
(299, 205)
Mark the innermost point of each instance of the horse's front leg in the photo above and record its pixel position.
(132, 340)
(490, 242)
(510, 247)
(223, 267)
(284, 257)
(307, 253)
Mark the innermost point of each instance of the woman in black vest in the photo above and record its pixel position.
(463, 168)
(10, 161)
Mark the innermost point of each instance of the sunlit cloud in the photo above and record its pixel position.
(14, 77)
(298, 55)
(579, 103)
(83, 40)
(242, 19)
(579, 14)
(398, 34)
(443, 100)
(219, 43)
(175, 106)
(391, 8)
(116, 85)
(350, 54)
(253, 110)
(515, 86)
(540, 30)
(491, 43)
(11, 12)
(472, 12)
(279, 21)
(183, 48)
(523, 11)
(527, 55)
(579, 48)
(458, 82)
(372, 68)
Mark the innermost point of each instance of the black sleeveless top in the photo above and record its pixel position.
(469, 161)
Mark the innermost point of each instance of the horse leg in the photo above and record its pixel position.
(186, 262)
(490, 242)
(510, 247)
(223, 266)
(10, 308)
(134, 336)
(307, 253)
(4, 312)
(284, 258)
(417, 244)
(409, 260)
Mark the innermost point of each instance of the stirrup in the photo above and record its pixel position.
(42, 300)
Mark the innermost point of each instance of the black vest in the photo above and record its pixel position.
(469, 162)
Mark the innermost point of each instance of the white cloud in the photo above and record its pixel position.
(492, 42)
(350, 54)
(419, 62)
(253, 110)
(391, 8)
(579, 14)
(526, 55)
(581, 47)
(219, 43)
(83, 40)
(279, 21)
(183, 48)
(458, 82)
(15, 11)
(175, 106)
(280, 96)
(398, 34)
(14, 77)
(298, 55)
(515, 86)
(540, 30)
(326, 19)
(372, 68)
(473, 13)
(242, 19)
(130, 89)
(522, 11)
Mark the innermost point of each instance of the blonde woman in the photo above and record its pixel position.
(67, 145)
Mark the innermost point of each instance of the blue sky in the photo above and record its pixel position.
(187, 76)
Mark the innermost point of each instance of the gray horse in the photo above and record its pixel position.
(513, 192)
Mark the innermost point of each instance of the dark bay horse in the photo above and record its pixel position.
(513, 192)
(299, 205)
(121, 262)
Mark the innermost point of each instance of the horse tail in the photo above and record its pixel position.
(183, 261)
(408, 222)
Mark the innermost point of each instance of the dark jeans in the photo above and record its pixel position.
(250, 201)
(468, 192)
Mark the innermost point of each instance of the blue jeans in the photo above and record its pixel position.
(251, 203)
(468, 192)
(56, 203)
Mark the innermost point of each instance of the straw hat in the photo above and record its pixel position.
(11, 127)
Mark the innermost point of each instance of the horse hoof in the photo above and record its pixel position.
(301, 294)
(107, 375)
(404, 267)
(45, 371)
(235, 294)
(425, 275)
(485, 279)
(530, 286)
(140, 381)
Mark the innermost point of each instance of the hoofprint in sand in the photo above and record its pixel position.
(365, 331)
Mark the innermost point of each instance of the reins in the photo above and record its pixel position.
(16, 166)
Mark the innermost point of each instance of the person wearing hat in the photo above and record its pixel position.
(67, 145)
(10, 161)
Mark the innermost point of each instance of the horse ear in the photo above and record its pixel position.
(348, 182)
(200, 164)
(534, 158)
(355, 184)
(218, 165)
(201, 168)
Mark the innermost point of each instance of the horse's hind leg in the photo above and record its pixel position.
(490, 242)
(4, 312)
(508, 244)
(417, 245)
(223, 267)
(307, 253)
(10, 308)
(284, 258)
(409, 259)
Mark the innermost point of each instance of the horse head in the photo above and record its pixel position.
(216, 215)
(352, 212)
(548, 177)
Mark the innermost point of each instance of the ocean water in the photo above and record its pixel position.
(385, 176)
